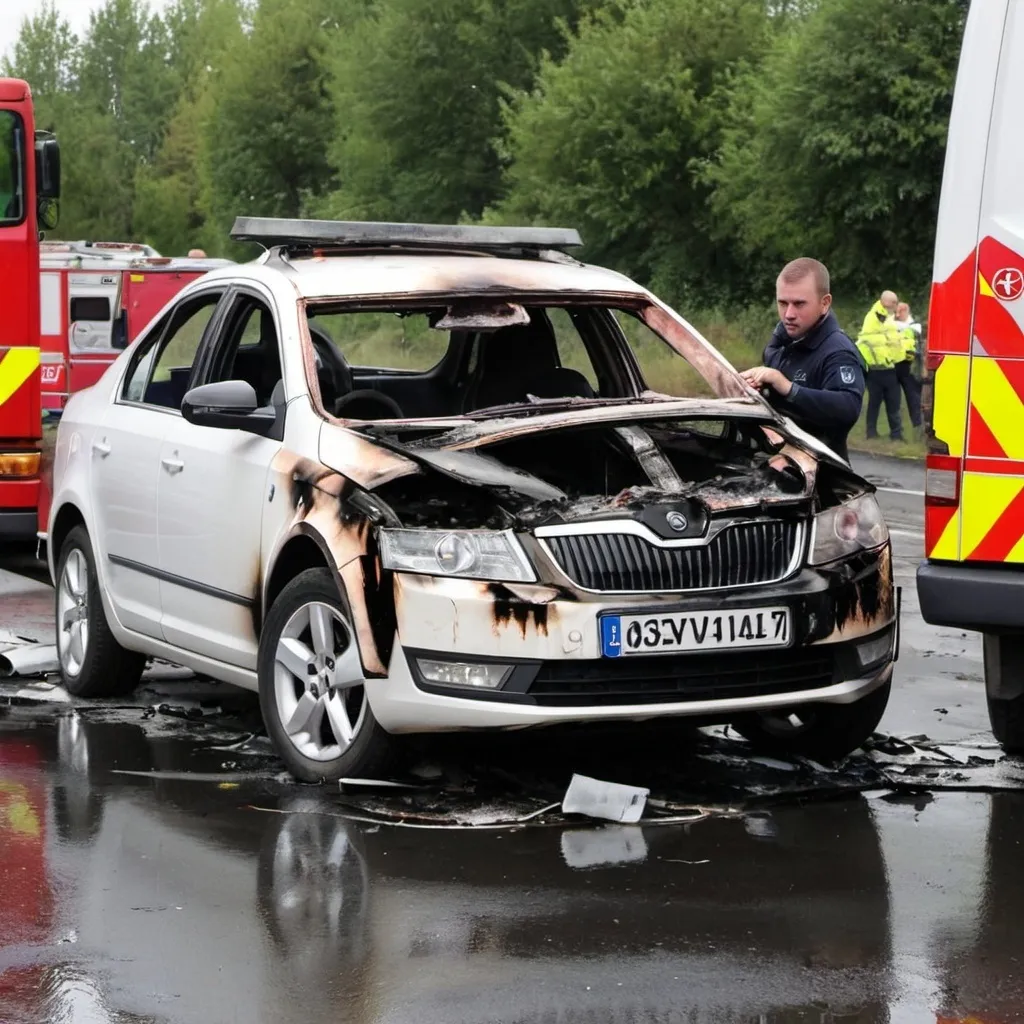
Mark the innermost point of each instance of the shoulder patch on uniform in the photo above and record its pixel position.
(847, 374)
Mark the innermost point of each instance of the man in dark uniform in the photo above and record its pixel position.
(812, 372)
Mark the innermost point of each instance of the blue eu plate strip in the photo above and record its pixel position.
(611, 636)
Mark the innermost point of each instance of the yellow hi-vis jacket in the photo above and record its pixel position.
(910, 332)
(879, 341)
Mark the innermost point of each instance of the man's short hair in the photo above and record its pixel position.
(797, 270)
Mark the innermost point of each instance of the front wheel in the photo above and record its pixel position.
(92, 662)
(822, 732)
(312, 688)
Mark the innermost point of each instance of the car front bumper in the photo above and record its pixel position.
(549, 637)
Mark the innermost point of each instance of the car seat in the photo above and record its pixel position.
(523, 360)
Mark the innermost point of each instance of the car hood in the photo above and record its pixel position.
(469, 453)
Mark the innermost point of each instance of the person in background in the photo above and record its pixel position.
(908, 369)
(196, 254)
(811, 370)
(881, 347)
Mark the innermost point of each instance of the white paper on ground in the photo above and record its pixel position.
(610, 801)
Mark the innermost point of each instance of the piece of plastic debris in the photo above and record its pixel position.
(179, 711)
(671, 860)
(350, 784)
(29, 660)
(610, 801)
(771, 762)
(942, 711)
(600, 847)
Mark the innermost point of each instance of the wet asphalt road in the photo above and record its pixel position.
(156, 866)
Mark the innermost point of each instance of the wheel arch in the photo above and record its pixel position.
(303, 549)
(67, 518)
(366, 593)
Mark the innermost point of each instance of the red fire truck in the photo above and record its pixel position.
(95, 299)
(29, 191)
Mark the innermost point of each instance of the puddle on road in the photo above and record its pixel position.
(177, 729)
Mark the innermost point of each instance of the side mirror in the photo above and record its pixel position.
(47, 166)
(230, 404)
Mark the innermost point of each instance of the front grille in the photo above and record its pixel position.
(681, 678)
(738, 556)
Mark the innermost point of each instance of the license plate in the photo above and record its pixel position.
(670, 632)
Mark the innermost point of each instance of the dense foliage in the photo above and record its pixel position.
(695, 143)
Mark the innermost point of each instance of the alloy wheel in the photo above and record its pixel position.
(73, 612)
(319, 687)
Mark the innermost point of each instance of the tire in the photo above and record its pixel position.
(311, 696)
(92, 662)
(825, 732)
(1004, 672)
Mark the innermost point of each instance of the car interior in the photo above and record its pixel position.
(479, 369)
(469, 367)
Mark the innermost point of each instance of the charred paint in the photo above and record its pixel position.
(320, 500)
(510, 607)
(863, 593)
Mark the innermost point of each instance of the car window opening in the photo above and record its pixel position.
(479, 354)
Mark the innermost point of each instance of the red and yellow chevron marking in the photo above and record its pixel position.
(978, 412)
(20, 397)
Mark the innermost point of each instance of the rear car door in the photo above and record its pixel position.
(214, 486)
(125, 459)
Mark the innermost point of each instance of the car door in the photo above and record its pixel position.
(125, 460)
(213, 489)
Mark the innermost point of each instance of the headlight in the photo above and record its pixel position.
(853, 526)
(470, 554)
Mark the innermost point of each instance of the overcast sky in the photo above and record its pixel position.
(76, 12)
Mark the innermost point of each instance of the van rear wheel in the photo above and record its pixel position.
(1004, 674)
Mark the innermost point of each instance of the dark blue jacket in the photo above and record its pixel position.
(828, 380)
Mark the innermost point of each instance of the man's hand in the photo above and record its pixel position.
(764, 376)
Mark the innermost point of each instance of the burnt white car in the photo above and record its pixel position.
(406, 478)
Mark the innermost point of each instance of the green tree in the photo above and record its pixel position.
(45, 54)
(614, 137)
(124, 72)
(836, 144)
(172, 192)
(266, 138)
(417, 88)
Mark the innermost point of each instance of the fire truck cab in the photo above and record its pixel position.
(973, 576)
(29, 191)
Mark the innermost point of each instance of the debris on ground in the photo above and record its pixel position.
(610, 801)
(29, 659)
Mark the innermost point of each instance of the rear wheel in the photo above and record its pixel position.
(1004, 674)
(823, 732)
(312, 688)
(92, 662)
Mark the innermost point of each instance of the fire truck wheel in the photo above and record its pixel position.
(1004, 672)
(823, 732)
(92, 662)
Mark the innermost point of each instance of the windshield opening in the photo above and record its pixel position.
(467, 357)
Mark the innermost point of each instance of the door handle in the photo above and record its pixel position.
(101, 448)
(172, 466)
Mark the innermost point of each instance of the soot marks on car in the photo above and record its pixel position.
(510, 606)
(865, 598)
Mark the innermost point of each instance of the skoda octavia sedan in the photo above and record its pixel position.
(406, 478)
